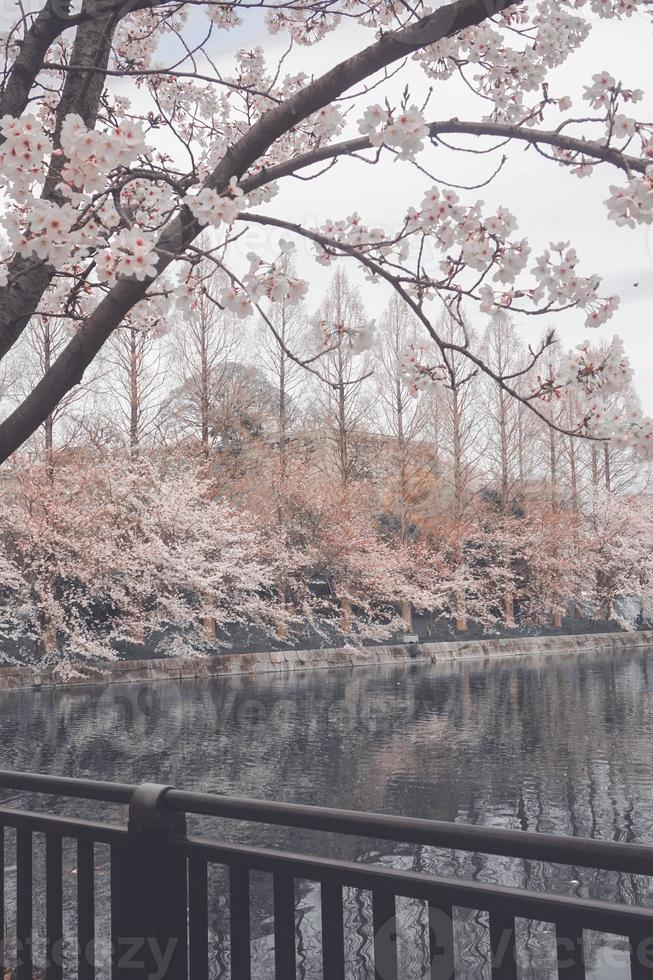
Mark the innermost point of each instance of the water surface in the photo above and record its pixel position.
(561, 744)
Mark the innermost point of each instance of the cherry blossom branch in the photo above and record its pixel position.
(595, 149)
(68, 369)
(417, 309)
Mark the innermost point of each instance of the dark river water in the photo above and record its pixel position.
(562, 744)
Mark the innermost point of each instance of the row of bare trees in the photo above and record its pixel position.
(198, 389)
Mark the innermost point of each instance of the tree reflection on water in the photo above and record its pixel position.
(555, 744)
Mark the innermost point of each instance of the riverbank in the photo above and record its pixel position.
(225, 665)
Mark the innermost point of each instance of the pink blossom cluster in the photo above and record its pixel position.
(329, 334)
(131, 254)
(594, 371)
(49, 230)
(269, 280)
(352, 231)
(136, 37)
(223, 16)
(482, 239)
(301, 23)
(326, 123)
(559, 282)
(64, 232)
(211, 208)
(416, 375)
(506, 75)
(632, 429)
(473, 240)
(403, 131)
(92, 155)
(550, 31)
(604, 91)
(633, 204)
(599, 375)
(22, 153)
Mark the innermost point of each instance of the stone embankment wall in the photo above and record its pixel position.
(225, 665)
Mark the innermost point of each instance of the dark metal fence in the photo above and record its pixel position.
(160, 897)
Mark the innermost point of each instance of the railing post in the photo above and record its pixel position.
(152, 940)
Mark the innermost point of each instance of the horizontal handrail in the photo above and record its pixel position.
(577, 851)
(42, 823)
(581, 851)
(81, 789)
(542, 906)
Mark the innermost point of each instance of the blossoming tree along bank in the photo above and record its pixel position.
(100, 221)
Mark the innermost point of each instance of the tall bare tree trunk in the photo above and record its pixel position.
(49, 422)
(134, 393)
(553, 468)
(205, 394)
(595, 470)
(345, 615)
(342, 433)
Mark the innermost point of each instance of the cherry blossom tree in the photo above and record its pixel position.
(114, 551)
(555, 564)
(363, 577)
(107, 186)
(619, 554)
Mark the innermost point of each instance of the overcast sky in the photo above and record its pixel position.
(549, 203)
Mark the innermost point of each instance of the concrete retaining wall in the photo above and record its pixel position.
(15, 678)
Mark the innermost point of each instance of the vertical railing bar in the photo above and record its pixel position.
(641, 957)
(284, 927)
(570, 951)
(239, 924)
(24, 904)
(86, 909)
(2, 901)
(385, 936)
(53, 908)
(198, 919)
(117, 912)
(333, 932)
(441, 943)
(503, 946)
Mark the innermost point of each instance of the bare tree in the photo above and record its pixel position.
(290, 328)
(505, 352)
(137, 365)
(463, 441)
(404, 423)
(402, 419)
(203, 354)
(30, 360)
(344, 402)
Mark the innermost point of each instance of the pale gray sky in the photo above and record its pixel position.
(549, 203)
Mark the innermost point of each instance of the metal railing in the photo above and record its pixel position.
(159, 894)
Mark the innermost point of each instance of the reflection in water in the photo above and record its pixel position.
(559, 744)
